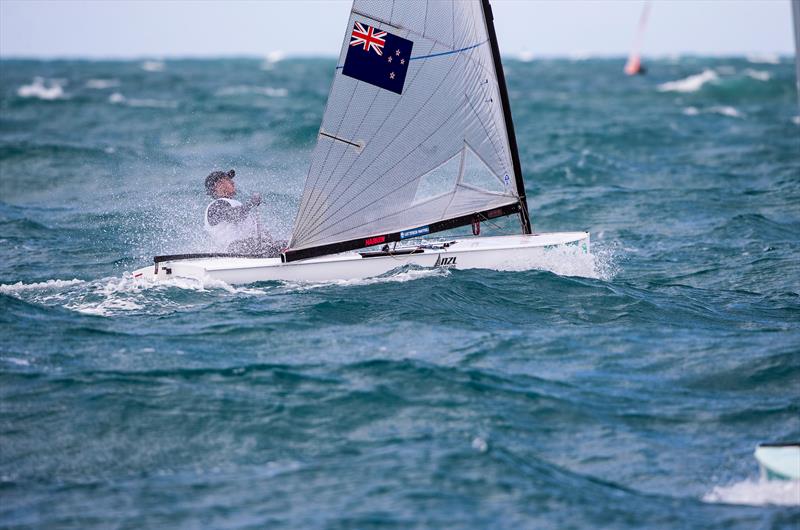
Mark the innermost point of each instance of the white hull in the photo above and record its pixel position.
(779, 461)
(517, 252)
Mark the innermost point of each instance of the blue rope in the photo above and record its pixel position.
(439, 54)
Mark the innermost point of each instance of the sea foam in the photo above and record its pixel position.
(757, 493)
(40, 88)
(693, 83)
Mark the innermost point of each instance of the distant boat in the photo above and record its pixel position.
(779, 461)
(634, 65)
(796, 19)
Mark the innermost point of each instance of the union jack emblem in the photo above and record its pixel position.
(369, 38)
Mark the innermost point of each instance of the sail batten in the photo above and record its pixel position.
(415, 87)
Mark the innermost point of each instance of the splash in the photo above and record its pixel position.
(693, 83)
(47, 90)
(116, 295)
(757, 493)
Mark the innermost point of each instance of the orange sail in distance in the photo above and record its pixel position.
(634, 64)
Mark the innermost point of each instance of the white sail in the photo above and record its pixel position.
(400, 156)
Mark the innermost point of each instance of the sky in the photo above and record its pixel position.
(208, 28)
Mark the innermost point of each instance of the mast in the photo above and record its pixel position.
(512, 138)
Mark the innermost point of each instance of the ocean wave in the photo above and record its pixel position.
(757, 493)
(243, 90)
(40, 88)
(759, 75)
(118, 99)
(764, 58)
(153, 66)
(725, 110)
(693, 83)
(20, 287)
(101, 84)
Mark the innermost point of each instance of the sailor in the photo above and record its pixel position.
(232, 225)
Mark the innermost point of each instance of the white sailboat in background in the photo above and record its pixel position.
(417, 138)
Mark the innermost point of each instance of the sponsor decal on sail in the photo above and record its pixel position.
(377, 57)
(415, 232)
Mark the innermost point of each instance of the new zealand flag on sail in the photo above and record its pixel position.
(377, 57)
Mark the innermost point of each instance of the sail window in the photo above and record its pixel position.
(439, 181)
(478, 175)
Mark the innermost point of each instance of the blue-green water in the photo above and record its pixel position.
(630, 395)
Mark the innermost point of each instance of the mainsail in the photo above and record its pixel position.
(417, 134)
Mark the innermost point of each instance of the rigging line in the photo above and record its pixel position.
(425, 22)
(439, 54)
(410, 120)
(491, 139)
(309, 224)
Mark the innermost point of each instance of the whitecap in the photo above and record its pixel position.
(726, 110)
(272, 58)
(118, 98)
(153, 66)
(526, 56)
(40, 88)
(240, 90)
(758, 75)
(690, 111)
(17, 361)
(757, 493)
(153, 103)
(764, 58)
(19, 287)
(693, 83)
(102, 84)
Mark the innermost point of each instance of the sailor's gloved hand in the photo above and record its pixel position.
(255, 200)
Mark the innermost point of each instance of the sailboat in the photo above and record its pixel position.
(634, 65)
(417, 138)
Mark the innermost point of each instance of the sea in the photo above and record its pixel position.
(627, 388)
